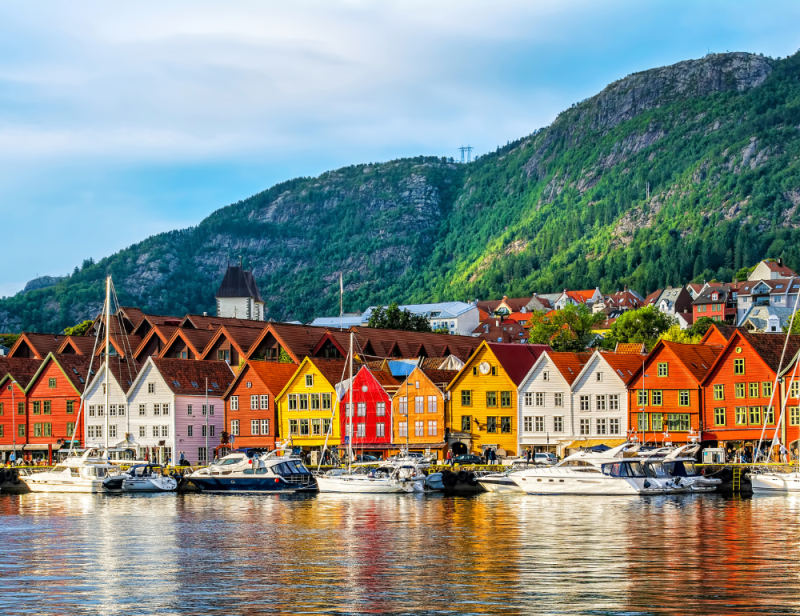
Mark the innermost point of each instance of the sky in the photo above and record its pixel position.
(122, 120)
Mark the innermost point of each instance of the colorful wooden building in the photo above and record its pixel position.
(484, 398)
(15, 375)
(665, 396)
(251, 414)
(368, 403)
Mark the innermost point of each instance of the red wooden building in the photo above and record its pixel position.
(15, 375)
(738, 390)
(250, 412)
(790, 424)
(666, 401)
(371, 411)
(54, 398)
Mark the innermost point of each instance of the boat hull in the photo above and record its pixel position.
(499, 484)
(83, 486)
(582, 485)
(775, 482)
(249, 484)
(364, 485)
(147, 485)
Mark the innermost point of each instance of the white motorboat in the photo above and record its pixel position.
(241, 471)
(502, 482)
(380, 480)
(85, 474)
(680, 464)
(775, 482)
(148, 478)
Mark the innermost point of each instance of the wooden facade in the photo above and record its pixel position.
(420, 405)
(368, 403)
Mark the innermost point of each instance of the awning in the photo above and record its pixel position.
(594, 442)
(382, 446)
(10, 448)
(41, 447)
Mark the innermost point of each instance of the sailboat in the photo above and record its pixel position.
(385, 479)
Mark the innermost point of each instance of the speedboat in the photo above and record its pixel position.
(680, 464)
(84, 474)
(503, 482)
(369, 479)
(276, 471)
(148, 478)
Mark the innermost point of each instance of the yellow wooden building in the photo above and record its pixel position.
(418, 411)
(308, 407)
(484, 398)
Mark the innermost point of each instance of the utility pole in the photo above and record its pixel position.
(208, 410)
(466, 150)
(13, 421)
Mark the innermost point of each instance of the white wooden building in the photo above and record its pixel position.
(108, 426)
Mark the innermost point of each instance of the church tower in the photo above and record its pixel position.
(238, 296)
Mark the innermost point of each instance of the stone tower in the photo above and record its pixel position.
(238, 296)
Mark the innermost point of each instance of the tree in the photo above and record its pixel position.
(643, 325)
(394, 318)
(701, 326)
(568, 329)
(8, 340)
(80, 329)
(682, 336)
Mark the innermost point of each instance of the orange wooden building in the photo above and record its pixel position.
(666, 401)
(15, 375)
(739, 391)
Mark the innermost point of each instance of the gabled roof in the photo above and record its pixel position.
(758, 317)
(778, 268)
(706, 297)
(569, 365)
(439, 377)
(121, 370)
(769, 347)
(204, 321)
(517, 359)
(124, 345)
(332, 370)
(725, 331)
(508, 330)
(74, 367)
(39, 344)
(652, 299)
(274, 375)
(409, 344)
(515, 303)
(134, 315)
(80, 345)
(624, 365)
(187, 378)
(156, 320)
(582, 296)
(20, 369)
(164, 332)
(241, 337)
(238, 282)
(195, 339)
(297, 340)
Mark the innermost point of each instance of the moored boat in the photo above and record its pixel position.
(148, 478)
(276, 471)
(85, 474)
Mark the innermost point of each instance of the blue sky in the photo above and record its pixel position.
(118, 121)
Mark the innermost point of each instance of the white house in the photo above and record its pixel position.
(545, 409)
(588, 297)
(109, 426)
(168, 412)
(771, 269)
(600, 398)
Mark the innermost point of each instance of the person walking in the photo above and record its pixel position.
(450, 457)
(784, 454)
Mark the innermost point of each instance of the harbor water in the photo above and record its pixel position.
(398, 554)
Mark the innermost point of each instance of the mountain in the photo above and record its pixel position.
(669, 175)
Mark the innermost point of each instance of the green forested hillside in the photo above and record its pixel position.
(716, 141)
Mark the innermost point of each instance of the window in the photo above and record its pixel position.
(112, 431)
(293, 426)
(466, 397)
(766, 389)
(491, 424)
(656, 397)
(559, 399)
(642, 422)
(235, 403)
(545, 376)
(753, 387)
(202, 458)
(380, 430)
(683, 398)
(769, 414)
(755, 415)
(719, 417)
(348, 409)
(92, 410)
(112, 410)
(656, 422)
(302, 400)
(678, 422)
(46, 408)
(505, 425)
(741, 415)
(37, 408)
(613, 425)
(600, 402)
(663, 369)
(315, 427)
(505, 399)
(190, 431)
(403, 405)
(51, 383)
(313, 402)
(794, 389)
(309, 380)
(584, 403)
(539, 398)
(21, 430)
(156, 432)
(466, 423)
(494, 370)
(538, 423)
(641, 399)
(738, 365)
(253, 403)
(21, 408)
(101, 410)
(419, 429)
(70, 428)
(433, 427)
(380, 409)
(419, 405)
(70, 407)
(121, 409)
(361, 409)
(265, 426)
(601, 426)
(491, 399)
(416, 385)
(433, 404)
(143, 432)
(558, 424)
(151, 388)
(598, 376)
(254, 427)
(304, 427)
(223, 355)
(326, 402)
(527, 424)
(739, 390)
(402, 428)
(613, 402)
(474, 370)
(143, 410)
(584, 425)
(292, 402)
(528, 399)
(92, 431)
(794, 415)
(326, 425)
(156, 409)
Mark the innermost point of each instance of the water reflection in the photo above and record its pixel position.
(490, 554)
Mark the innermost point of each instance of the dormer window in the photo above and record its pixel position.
(714, 296)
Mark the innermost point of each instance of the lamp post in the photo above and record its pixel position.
(13, 421)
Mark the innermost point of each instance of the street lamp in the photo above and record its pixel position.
(13, 421)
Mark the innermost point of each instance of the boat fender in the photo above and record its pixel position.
(473, 481)
(462, 476)
(646, 483)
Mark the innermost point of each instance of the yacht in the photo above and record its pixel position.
(503, 482)
(276, 471)
(86, 474)
(148, 478)
(680, 464)
(383, 479)
(775, 481)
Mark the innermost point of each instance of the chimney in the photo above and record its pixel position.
(205, 314)
(780, 261)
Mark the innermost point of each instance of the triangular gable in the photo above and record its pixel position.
(542, 359)
(180, 335)
(77, 345)
(51, 357)
(306, 360)
(735, 339)
(468, 362)
(154, 331)
(223, 332)
(328, 340)
(245, 369)
(264, 336)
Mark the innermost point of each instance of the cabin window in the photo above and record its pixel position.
(755, 415)
(466, 397)
(112, 431)
(21, 430)
(741, 415)
(584, 427)
(683, 397)
(613, 425)
(51, 383)
(403, 405)
(663, 369)
(601, 426)
(738, 365)
(37, 408)
(253, 403)
(739, 390)
(433, 404)
(380, 430)
(600, 402)
(719, 417)
(753, 390)
(316, 429)
(466, 423)
(584, 403)
(794, 415)
(656, 397)
(656, 422)
(538, 423)
(419, 428)
(254, 427)
(539, 398)
(419, 404)
(678, 422)
(402, 428)
(380, 409)
(491, 424)
(491, 399)
(794, 389)
(558, 399)
(235, 427)
(292, 402)
(309, 380)
(265, 402)
(433, 428)
(293, 427)
(769, 414)
(558, 424)
(766, 389)
(189, 430)
(151, 388)
(235, 403)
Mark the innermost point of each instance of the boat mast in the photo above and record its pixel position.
(108, 325)
(350, 408)
(408, 416)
